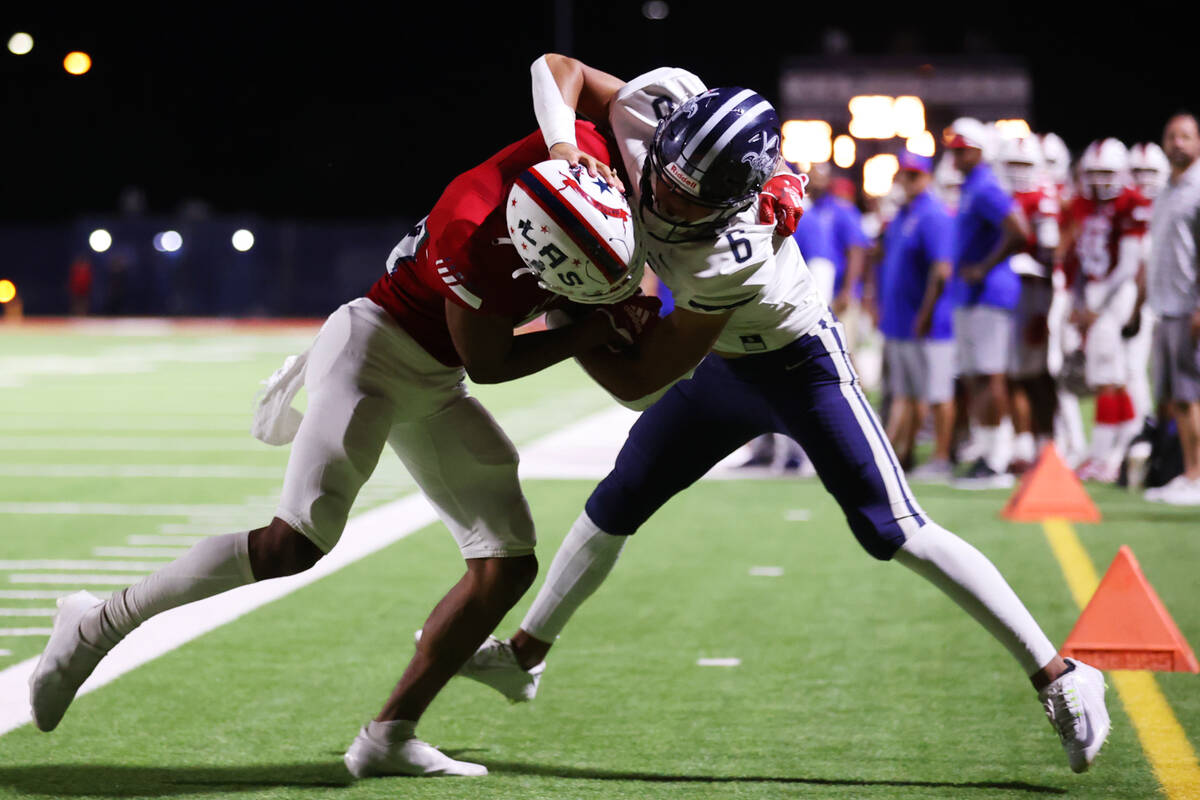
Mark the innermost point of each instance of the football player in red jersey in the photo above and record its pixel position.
(389, 368)
(1021, 169)
(1104, 231)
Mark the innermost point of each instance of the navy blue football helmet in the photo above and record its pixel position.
(717, 150)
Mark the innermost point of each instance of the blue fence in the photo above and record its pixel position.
(295, 268)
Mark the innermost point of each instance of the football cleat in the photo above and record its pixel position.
(65, 664)
(982, 476)
(1074, 704)
(495, 664)
(369, 756)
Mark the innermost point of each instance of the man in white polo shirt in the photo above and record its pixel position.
(1174, 294)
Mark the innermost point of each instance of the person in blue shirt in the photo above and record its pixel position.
(915, 317)
(988, 228)
(832, 241)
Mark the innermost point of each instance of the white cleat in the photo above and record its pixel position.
(369, 756)
(1074, 704)
(495, 664)
(65, 664)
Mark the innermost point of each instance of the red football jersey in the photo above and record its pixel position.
(1040, 206)
(461, 252)
(1101, 225)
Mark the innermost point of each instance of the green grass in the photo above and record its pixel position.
(857, 679)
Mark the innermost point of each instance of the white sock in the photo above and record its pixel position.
(1000, 454)
(972, 581)
(399, 730)
(1104, 436)
(1023, 447)
(1126, 433)
(581, 564)
(210, 567)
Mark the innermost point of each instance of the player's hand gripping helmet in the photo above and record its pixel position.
(574, 233)
(716, 151)
(1104, 169)
(1020, 163)
(1150, 168)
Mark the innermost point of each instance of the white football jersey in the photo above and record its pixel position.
(745, 268)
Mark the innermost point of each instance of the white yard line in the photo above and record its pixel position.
(74, 579)
(33, 594)
(139, 471)
(27, 612)
(62, 563)
(165, 540)
(139, 552)
(24, 632)
(224, 511)
(198, 444)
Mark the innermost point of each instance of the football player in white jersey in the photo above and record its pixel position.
(767, 355)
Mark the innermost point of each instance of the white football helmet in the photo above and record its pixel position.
(1019, 163)
(1104, 169)
(1150, 168)
(574, 233)
(1057, 158)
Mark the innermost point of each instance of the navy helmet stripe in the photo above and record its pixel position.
(585, 237)
(750, 117)
(716, 124)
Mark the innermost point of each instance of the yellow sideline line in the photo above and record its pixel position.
(1162, 737)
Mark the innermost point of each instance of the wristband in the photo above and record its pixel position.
(555, 118)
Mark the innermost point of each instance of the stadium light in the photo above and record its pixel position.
(908, 116)
(8, 290)
(243, 240)
(100, 240)
(844, 151)
(808, 140)
(922, 144)
(871, 117)
(1012, 128)
(878, 172)
(77, 62)
(20, 43)
(167, 241)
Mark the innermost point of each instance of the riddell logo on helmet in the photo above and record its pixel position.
(684, 180)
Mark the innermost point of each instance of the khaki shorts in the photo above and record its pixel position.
(369, 383)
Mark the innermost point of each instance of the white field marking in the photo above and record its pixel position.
(5, 652)
(767, 572)
(75, 579)
(139, 471)
(180, 528)
(62, 563)
(230, 423)
(192, 444)
(25, 631)
(365, 534)
(719, 662)
(165, 540)
(138, 552)
(797, 515)
(27, 612)
(32, 594)
(131, 509)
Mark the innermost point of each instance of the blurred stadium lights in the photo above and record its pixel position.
(100, 240)
(878, 172)
(922, 144)
(807, 140)
(243, 240)
(77, 62)
(655, 9)
(168, 241)
(871, 117)
(8, 290)
(908, 116)
(1012, 128)
(20, 43)
(844, 151)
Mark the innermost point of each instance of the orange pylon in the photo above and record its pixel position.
(1050, 489)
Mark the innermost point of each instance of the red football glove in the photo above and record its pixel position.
(633, 316)
(779, 202)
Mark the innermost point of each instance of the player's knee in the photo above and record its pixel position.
(507, 579)
(278, 550)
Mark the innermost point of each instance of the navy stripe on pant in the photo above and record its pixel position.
(807, 390)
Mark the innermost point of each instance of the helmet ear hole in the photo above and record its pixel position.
(574, 233)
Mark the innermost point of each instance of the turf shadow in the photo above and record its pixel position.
(107, 780)
(582, 773)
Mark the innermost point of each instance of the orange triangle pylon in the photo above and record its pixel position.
(1050, 489)
(1126, 626)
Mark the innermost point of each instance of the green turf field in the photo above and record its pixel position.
(857, 680)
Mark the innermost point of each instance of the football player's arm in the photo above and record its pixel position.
(562, 86)
(676, 344)
(492, 353)
(939, 274)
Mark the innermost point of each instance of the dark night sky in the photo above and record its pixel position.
(354, 111)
